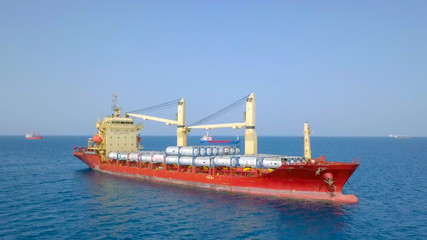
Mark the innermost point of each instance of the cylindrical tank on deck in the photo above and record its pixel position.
(112, 155)
(208, 151)
(172, 160)
(202, 151)
(294, 161)
(189, 151)
(186, 160)
(158, 158)
(203, 161)
(226, 161)
(226, 150)
(122, 156)
(172, 150)
(220, 150)
(232, 150)
(271, 163)
(237, 150)
(145, 157)
(249, 161)
(214, 150)
(133, 157)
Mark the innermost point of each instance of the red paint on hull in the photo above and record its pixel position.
(219, 141)
(34, 138)
(289, 181)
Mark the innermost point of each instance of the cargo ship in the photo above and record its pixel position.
(116, 149)
(34, 136)
(209, 139)
(398, 136)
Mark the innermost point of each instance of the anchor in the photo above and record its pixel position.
(330, 182)
(321, 169)
(329, 179)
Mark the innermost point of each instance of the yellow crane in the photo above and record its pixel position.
(182, 129)
(251, 143)
(181, 132)
(307, 147)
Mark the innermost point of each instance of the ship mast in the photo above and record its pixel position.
(181, 131)
(251, 139)
(307, 147)
(116, 108)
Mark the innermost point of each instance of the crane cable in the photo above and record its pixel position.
(158, 107)
(222, 111)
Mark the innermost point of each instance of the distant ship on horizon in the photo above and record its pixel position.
(398, 136)
(209, 139)
(33, 136)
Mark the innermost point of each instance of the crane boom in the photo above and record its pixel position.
(181, 131)
(222, 125)
(251, 139)
(157, 119)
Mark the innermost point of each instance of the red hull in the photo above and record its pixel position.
(220, 141)
(33, 138)
(289, 181)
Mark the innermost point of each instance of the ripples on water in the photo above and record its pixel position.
(48, 193)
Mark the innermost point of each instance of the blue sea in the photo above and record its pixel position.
(47, 193)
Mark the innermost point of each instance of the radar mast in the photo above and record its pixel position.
(116, 108)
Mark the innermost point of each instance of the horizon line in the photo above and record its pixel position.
(62, 135)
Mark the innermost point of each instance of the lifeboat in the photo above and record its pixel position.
(96, 138)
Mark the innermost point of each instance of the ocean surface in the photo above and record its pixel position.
(47, 193)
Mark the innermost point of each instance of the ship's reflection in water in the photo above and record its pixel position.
(122, 204)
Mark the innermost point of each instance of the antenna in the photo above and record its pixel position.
(116, 108)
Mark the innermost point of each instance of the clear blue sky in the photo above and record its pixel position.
(349, 68)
